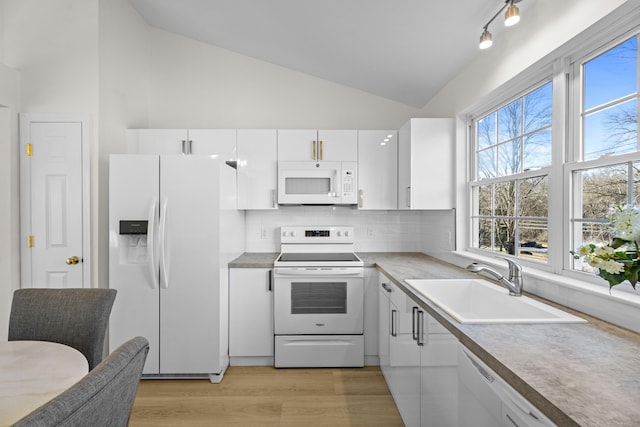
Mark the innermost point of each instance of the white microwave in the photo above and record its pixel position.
(317, 183)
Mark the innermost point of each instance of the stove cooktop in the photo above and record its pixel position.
(318, 257)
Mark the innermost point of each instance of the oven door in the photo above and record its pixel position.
(318, 301)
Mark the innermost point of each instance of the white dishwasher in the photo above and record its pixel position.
(486, 400)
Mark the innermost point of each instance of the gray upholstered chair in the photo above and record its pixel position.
(74, 317)
(102, 398)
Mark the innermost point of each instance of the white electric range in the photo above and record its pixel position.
(318, 298)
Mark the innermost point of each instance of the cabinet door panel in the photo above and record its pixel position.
(378, 169)
(338, 145)
(297, 144)
(257, 169)
(208, 142)
(250, 312)
(156, 141)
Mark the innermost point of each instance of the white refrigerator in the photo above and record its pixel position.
(173, 228)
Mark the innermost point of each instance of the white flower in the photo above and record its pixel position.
(612, 267)
(585, 250)
(625, 222)
(604, 251)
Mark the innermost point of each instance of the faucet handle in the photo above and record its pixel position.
(515, 270)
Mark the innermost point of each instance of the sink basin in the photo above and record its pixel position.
(479, 301)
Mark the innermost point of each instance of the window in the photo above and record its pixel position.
(548, 163)
(605, 172)
(510, 191)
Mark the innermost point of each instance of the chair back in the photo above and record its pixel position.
(102, 398)
(74, 317)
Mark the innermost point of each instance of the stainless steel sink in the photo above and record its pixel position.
(479, 301)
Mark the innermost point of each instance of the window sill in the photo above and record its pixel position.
(618, 307)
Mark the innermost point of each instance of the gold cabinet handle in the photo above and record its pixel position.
(73, 260)
(314, 150)
(320, 150)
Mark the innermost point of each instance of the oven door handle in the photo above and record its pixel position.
(319, 271)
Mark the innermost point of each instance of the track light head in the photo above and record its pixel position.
(512, 15)
(485, 39)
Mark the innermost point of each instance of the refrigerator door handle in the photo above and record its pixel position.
(151, 243)
(164, 271)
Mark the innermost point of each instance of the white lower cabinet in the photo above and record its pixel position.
(251, 316)
(434, 380)
(418, 360)
(401, 361)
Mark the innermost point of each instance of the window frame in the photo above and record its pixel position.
(544, 77)
(565, 70)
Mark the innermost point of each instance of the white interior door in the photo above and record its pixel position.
(53, 184)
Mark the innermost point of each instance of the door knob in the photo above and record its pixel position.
(73, 260)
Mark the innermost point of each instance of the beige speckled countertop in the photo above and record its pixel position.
(576, 374)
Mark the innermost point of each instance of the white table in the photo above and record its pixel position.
(33, 372)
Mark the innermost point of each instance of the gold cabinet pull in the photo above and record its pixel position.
(314, 150)
(73, 260)
(320, 150)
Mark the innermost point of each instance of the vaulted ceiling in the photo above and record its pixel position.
(402, 50)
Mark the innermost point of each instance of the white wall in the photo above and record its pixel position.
(545, 26)
(199, 85)
(9, 192)
(54, 45)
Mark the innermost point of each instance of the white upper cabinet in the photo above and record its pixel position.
(425, 164)
(378, 169)
(220, 142)
(317, 145)
(257, 169)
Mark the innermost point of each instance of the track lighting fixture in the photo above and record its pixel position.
(511, 17)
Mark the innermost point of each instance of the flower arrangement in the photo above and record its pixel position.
(619, 260)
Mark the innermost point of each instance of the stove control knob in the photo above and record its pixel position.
(347, 233)
(339, 233)
(293, 234)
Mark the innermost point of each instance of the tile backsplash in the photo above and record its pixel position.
(375, 231)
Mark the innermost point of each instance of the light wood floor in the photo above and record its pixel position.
(265, 396)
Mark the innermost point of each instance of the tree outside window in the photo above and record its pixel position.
(510, 203)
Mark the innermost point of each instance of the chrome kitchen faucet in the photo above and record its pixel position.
(513, 283)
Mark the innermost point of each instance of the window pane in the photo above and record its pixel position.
(509, 158)
(505, 198)
(537, 150)
(487, 131)
(534, 199)
(487, 163)
(611, 75)
(484, 200)
(636, 183)
(483, 233)
(611, 131)
(510, 121)
(533, 240)
(537, 109)
(505, 231)
(601, 189)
